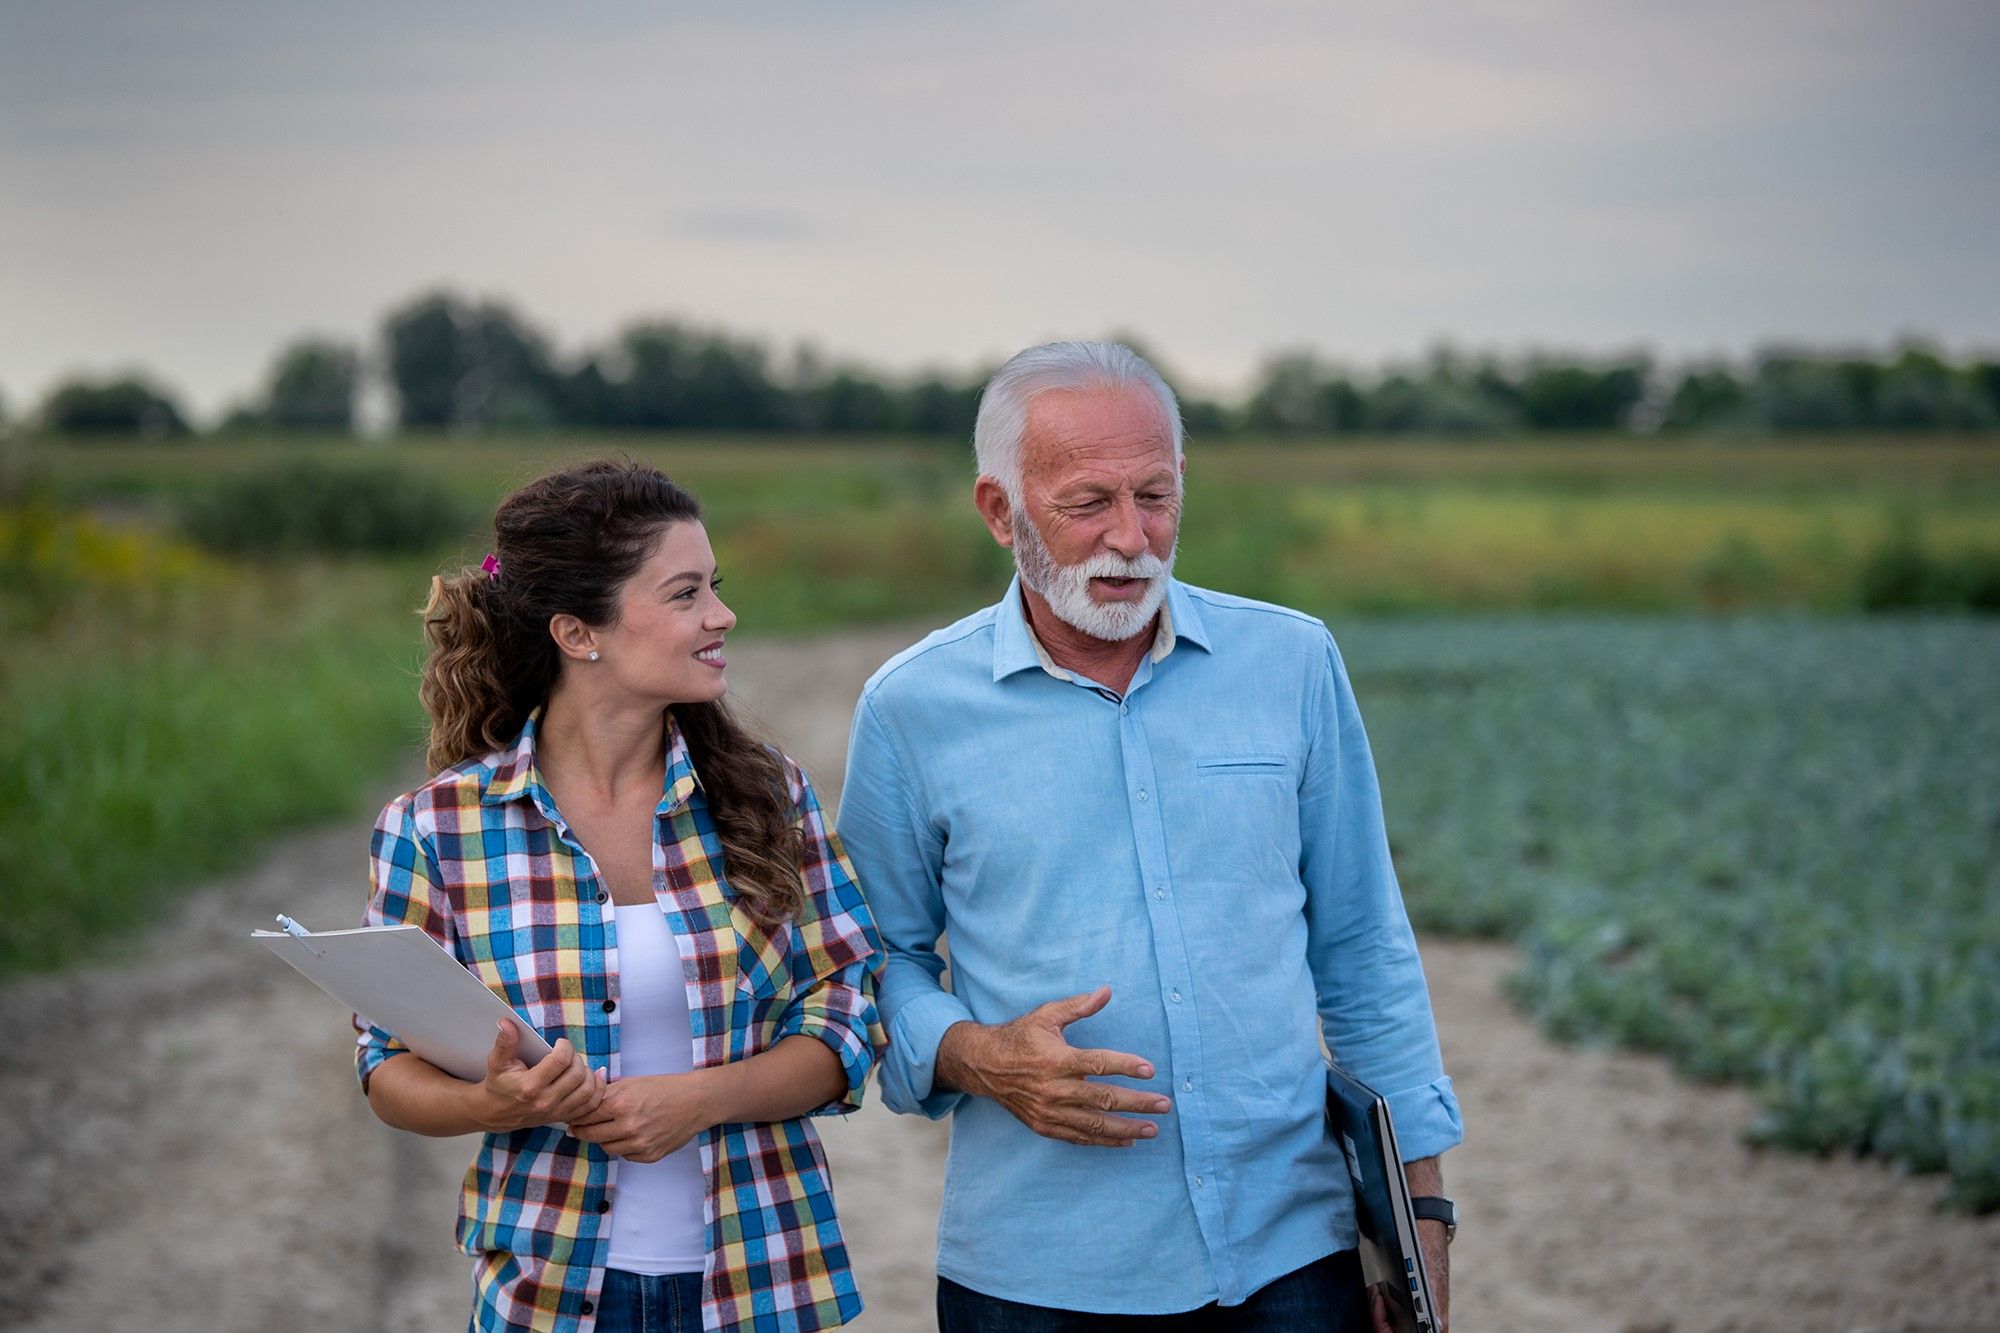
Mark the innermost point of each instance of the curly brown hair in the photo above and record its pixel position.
(566, 543)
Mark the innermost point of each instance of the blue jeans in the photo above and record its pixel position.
(1323, 1297)
(637, 1303)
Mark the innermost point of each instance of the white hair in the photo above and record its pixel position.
(1003, 404)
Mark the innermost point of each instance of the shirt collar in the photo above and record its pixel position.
(517, 776)
(1015, 647)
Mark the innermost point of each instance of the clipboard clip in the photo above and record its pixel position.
(299, 933)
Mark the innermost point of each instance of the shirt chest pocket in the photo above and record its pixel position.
(763, 958)
(1249, 819)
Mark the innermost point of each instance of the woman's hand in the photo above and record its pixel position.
(642, 1119)
(512, 1096)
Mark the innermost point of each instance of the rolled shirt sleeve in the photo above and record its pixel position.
(406, 892)
(1374, 1008)
(835, 957)
(900, 858)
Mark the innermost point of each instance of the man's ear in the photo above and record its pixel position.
(990, 497)
(574, 639)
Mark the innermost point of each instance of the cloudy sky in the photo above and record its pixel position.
(186, 186)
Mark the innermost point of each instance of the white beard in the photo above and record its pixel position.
(1066, 588)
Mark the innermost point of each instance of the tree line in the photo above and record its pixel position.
(450, 364)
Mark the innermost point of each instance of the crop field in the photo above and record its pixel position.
(1769, 847)
(1624, 711)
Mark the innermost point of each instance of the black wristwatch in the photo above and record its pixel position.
(1436, 1208)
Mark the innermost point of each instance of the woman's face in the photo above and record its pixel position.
(667, 641)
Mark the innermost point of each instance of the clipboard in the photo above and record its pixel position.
(1392, 1262)
(401, 979)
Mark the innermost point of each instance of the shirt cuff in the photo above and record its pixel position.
(911, 1066)
(372, 1049)
(838, 1033)
(1426, 1118)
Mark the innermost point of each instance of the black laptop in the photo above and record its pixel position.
(1391, 1260)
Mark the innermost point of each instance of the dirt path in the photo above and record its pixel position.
(185, 1148)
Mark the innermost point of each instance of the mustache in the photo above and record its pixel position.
(1109, 565)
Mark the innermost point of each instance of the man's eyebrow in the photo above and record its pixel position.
(1164, 477)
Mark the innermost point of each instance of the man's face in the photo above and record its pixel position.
(1100, 508)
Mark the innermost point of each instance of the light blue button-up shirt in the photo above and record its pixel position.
(1210, 845)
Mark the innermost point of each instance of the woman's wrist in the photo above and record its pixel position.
(713, 1094)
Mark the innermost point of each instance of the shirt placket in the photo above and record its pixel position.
(1178, 985)
(593, 904)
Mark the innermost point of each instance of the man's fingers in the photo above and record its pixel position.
(1069, 1009)
(1110, 1064)
(1095, 1130)
(1111, 1097)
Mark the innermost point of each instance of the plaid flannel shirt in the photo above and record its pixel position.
(480, 858)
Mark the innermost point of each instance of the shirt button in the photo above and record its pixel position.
(588, 1308)
(604, 1205)
(1160, 892)
(1174, 995)
(603, 896)
(609, 1005)
(1142, 794)
(1197, 1182)
(1187, 1085)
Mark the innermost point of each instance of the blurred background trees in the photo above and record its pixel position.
(447, 363)
(127, 406)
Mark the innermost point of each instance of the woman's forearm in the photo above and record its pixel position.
(409, 1092)
(798, 1075)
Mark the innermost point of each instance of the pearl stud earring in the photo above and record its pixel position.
(593, 654)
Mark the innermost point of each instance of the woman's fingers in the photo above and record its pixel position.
(581, 1102)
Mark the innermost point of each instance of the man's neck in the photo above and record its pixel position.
(1110, 662)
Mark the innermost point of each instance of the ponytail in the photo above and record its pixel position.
(476, 687)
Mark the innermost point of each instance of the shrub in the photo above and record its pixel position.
(1903, 574)
(309, 508)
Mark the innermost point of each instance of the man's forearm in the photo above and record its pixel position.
(1424, 1176)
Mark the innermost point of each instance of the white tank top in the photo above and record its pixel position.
(656, 1208)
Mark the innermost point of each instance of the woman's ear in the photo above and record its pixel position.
(574, 639)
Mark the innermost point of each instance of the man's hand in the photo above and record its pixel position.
(1044, 1082)
(1425, 1176)
(1437, 1261)
(644, 1118)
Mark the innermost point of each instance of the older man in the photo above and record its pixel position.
(1145, 816)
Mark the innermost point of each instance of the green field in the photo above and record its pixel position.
(817, 533)
(1768, 846)
(1625, 710)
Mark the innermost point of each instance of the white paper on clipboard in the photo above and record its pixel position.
(401, 979)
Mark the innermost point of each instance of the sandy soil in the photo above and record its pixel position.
(185, 1147)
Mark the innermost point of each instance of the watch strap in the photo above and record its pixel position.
(1436, 1208)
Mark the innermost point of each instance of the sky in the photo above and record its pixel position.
(186, 187)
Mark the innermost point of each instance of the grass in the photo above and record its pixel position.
(169, 713)
(821, 533)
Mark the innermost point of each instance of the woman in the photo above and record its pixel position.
(659, 895)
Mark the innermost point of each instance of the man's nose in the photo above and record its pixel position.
(1127, 534)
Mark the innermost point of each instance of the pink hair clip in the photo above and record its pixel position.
(491, 564)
